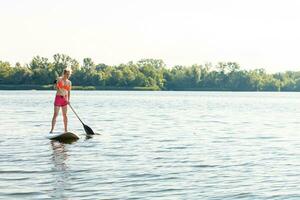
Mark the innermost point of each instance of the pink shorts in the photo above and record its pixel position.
(60, 100)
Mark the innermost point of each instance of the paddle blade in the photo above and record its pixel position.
(88, 130)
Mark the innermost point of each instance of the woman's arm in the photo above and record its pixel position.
(54, 84)
(69, 96)
(69, 92)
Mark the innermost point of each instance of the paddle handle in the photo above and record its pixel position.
(75, 114)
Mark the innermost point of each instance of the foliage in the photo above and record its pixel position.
(146, 73)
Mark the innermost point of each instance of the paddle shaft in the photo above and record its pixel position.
(76, 114)
(87, 129)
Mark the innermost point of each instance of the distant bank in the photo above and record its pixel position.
(50, 87)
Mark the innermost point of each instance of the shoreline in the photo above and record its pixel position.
(99, 88)
(50, 87)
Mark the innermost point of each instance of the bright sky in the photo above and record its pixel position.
(254, 33)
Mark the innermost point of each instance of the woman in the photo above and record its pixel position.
(63, 87)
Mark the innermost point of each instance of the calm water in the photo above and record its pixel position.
(154, 145)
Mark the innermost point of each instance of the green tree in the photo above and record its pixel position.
(5, 72)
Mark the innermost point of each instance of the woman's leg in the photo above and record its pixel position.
(65, 117)
(56, 111)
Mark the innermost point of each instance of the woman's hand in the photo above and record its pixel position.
(67, 100)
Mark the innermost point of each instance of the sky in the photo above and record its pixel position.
(253, 33)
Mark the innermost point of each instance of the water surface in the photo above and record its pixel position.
(154, 145)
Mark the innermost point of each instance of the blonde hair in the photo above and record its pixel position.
(67, 70)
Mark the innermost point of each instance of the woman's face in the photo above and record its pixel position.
(67, 74)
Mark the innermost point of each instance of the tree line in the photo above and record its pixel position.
(148, 73)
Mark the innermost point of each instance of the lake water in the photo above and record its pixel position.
(153, 145)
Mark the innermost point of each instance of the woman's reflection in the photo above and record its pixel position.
(60, 169)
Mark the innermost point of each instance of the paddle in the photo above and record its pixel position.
(87, 129)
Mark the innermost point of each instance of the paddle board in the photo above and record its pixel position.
(62, 136)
